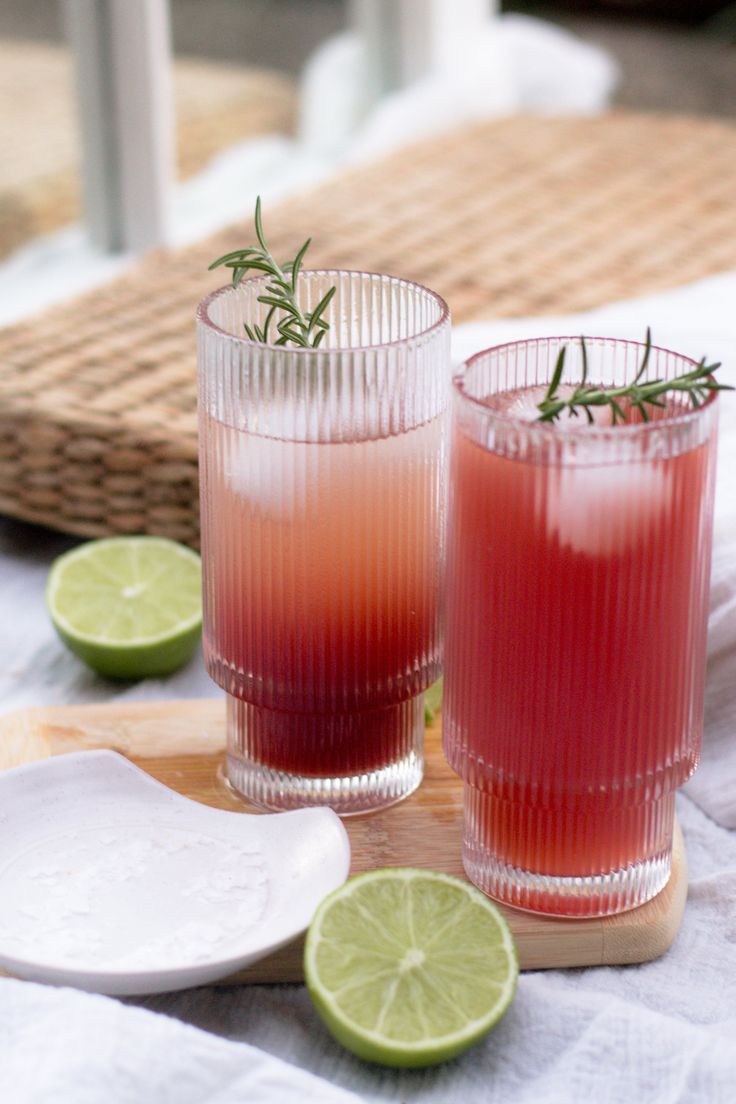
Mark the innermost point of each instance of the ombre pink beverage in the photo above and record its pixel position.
(322, 541)
(579, 561)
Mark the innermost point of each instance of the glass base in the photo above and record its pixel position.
(597, 888)
(354, 763)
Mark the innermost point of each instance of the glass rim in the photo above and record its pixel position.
(204, 318)
(688, 414)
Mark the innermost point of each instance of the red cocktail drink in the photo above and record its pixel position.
(322, 541)
(319, 610)
(579, 561)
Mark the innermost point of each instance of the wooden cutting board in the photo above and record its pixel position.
(182, 744)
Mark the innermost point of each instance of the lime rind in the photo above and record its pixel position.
(354, 982)
(78, 571)
(129, 607)
(432, 701)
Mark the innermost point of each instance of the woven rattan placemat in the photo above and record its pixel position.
(511, 217)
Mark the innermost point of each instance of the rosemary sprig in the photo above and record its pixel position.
(307, 330)
(641, 393)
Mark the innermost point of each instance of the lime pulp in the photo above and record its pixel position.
(409, 967)
(130, 607)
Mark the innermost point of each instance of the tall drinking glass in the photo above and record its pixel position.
(578, 575)
(322, 538)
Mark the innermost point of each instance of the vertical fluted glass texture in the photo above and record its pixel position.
(578, 577)
(322, 537)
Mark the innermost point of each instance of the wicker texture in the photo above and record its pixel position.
(510, 217)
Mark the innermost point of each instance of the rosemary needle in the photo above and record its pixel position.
(293, 326)
(641, 394)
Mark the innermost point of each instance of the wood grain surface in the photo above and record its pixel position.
(182, 744)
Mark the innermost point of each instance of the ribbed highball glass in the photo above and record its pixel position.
(322, 538)
(577, 600)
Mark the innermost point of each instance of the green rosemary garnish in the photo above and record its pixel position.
(293, 325)
(639, 394)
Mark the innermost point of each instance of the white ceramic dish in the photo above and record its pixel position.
(111, 882)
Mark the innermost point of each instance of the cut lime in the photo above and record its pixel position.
(130, 607)
(409, 967)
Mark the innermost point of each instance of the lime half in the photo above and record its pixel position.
(409, 967)
(130, 607)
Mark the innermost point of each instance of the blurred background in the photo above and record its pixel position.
(238, 64)
(674, 54)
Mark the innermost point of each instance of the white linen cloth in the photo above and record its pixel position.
(61, 1046)
(660, 1033)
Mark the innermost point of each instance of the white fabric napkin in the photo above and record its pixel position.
(58, 1046)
